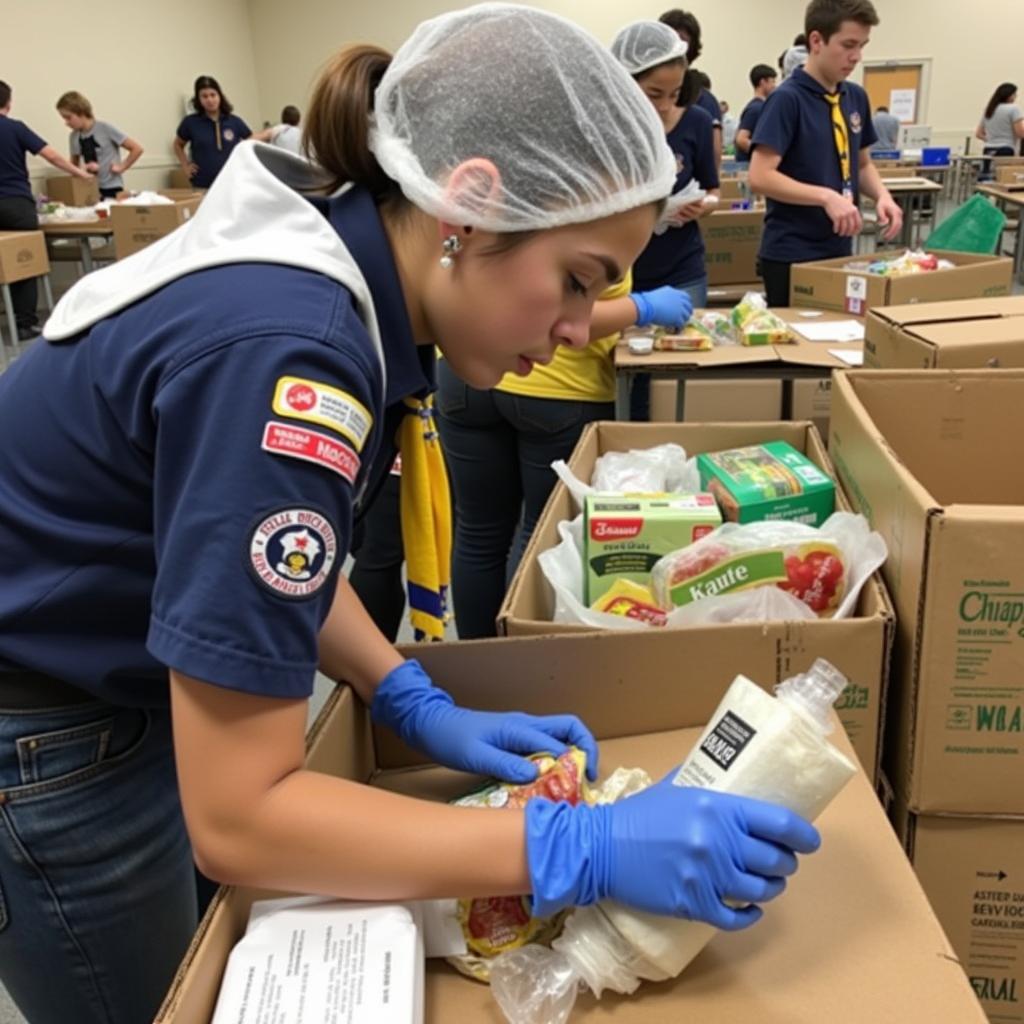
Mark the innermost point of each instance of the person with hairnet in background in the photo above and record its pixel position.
(187, 449)
(655, 56)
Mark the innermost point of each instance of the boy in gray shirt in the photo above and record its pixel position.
(97, 144)
(887, 128)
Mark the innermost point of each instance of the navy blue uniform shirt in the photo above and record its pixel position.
(677, 256)
(16, 139)
(177, 483)
(797, 123)
(707, 102)
(748, 122)
(211, 143)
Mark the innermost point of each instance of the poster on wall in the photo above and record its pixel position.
(903, 104)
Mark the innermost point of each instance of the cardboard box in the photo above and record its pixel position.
(733, 188)
(717, 401)
(853, 938)
(22, 255)
(858, 646)
(971, 871)
(73, 191)
(825, 284)
(1009, 175)
(135, 227)
(732, 239)
(812, 400)
(940, 335)
(178, 179)
(932, 458)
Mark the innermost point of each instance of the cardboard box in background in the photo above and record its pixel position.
(940, 335)
(932, 458)
(858, 646)
(826, 284)
(22, 255)
(1013, 175)
(853, 938)
(178, 179)
(972, 871)
(718, 401)
(812, 400)
(135, 227)
(732, 239)
(72, 191)
(733, 188)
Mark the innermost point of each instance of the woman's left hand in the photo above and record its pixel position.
(484, 742)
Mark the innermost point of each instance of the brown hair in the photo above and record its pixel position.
(75, 103)
(826, 16)
(338, 120)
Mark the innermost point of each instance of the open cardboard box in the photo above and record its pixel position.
(827, 284)
(858, 646)
(852, 940)
(946, 335)
(932, 458)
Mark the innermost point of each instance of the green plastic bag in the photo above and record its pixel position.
(975, 227)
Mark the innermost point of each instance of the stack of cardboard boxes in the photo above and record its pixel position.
(932, 458)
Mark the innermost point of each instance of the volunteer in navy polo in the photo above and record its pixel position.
(810, 154)
(184, 453)
(211, 133)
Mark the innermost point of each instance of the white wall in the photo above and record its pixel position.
(972, 48)
(134, 60)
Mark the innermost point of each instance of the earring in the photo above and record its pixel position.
(450, 248)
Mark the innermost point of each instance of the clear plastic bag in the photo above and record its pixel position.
(863, 551)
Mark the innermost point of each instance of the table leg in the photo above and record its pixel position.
(622, 395)
(86, 252)
(1018, 247)
(906, 203)
(681, 400)
(48, 292)
(12, 325)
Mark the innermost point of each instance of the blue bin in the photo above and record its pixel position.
(935, 156)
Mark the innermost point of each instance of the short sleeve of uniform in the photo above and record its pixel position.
(28, 139)
(706, 169)
(258, 446)
(244, 131)
(1015, 115)
(74, 144)
(184, 131)
(776, 127)
(749, 117)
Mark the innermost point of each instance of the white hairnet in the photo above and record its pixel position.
(646, 44)
(572, 137)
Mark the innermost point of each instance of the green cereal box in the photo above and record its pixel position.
(623, 537)
(768, 481)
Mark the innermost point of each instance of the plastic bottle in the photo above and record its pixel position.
(756, 745)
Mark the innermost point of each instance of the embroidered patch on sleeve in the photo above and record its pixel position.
(311, 446)
(292, 551)
(302, 399)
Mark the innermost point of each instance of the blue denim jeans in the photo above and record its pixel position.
(97, 888)
(640, 393)
(499, 448)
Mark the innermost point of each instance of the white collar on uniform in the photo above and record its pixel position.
(251, 214)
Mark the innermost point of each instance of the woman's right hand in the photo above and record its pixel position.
(672, 850)
(665, 306)
(191, 170)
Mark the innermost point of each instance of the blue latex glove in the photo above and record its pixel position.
(666, 307)
(484, 742)
(668, 850)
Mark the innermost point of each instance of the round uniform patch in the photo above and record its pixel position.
(291, 551)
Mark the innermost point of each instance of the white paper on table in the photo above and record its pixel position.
(851, 356)
(834, 330)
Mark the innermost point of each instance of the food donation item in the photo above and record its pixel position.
(494, 924)
(632, 601)
(625, 536)
(767, 481)
(756, 745)
(799, 559)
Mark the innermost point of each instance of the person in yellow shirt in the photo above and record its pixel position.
(499, 444)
